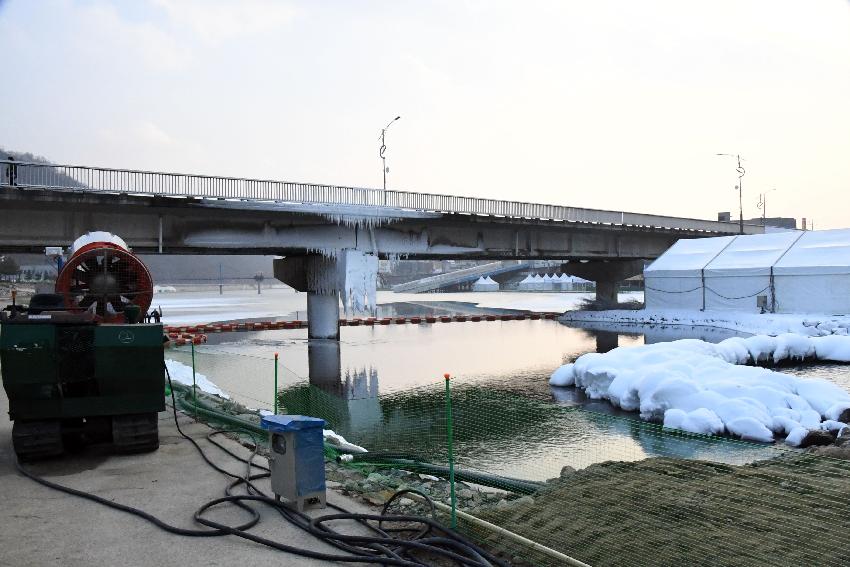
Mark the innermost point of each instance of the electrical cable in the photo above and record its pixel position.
(429, 539)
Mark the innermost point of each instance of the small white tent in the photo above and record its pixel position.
(525, 284)
(548, 285)
(782, 272)
(565, 283)
(537, 284)
(485, 284)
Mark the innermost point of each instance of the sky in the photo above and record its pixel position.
(609, 104)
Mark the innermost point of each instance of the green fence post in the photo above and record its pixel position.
(275, 383)
(450, 440)
(194, 383)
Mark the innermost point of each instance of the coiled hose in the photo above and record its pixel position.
(428, 540)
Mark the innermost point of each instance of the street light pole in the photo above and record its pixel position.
(740, 187)
(384, 149)
(762, 204)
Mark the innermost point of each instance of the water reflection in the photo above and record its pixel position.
(381, 387)
(497, 427)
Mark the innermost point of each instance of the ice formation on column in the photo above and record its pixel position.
(358, 274)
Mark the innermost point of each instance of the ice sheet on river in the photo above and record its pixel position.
(705, 388)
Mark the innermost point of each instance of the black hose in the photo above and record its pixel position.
(430, 540)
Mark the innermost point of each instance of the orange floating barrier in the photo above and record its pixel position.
(430, 319)
(401, 320)
(416, 320)
(475, 319)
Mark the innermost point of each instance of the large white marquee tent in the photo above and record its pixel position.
(781, 272)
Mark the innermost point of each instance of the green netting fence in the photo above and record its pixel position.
(550, 484)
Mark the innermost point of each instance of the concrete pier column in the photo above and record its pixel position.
(322, 315)
(325, 365)
(606, 291)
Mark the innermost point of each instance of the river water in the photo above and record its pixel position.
(383, 387)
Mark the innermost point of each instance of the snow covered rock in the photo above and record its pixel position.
(705, 388)
(563, 376)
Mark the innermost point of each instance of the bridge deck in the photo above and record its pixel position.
(99, 179)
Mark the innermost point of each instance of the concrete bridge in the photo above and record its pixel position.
(329, 236)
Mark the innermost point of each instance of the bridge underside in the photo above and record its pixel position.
(33, 219)
(306, 234)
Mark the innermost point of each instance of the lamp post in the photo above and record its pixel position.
(762, 204)
(740, 187)
(384, 149)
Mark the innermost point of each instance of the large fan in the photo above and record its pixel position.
(104, 277)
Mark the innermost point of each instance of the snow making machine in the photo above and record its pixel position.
(77, 366)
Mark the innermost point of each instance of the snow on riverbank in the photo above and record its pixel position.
(703, 388)
(753, 323)
(182, 374)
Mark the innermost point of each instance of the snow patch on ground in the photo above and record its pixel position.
(754, 323)
(705, 388)
(338, 441)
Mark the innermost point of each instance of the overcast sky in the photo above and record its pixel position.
(604, 104)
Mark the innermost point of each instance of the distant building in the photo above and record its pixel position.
(776, 222)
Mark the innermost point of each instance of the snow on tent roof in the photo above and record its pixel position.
(817, 252)
(688, 256)
(751, 255)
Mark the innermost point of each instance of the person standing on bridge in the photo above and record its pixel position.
(12, 172)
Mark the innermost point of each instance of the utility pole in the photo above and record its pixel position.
(740, 187)
(381, 152)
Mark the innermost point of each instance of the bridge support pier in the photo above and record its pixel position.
(322, 315)
(352, 274)
(606, 273)
(606, 291)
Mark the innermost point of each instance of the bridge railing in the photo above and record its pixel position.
(101, 179)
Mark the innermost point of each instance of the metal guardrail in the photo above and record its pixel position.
(100, 179)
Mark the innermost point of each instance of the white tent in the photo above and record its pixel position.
(742, 271)
(674, 280)
(814, 275)
(537, 284)
(525, 284)
(485, 284)
(548, 284)
(783, 272)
